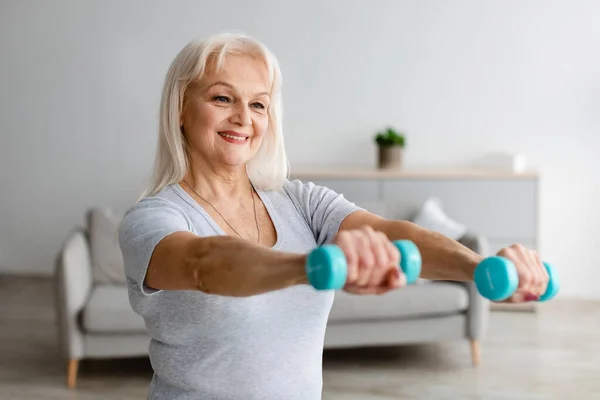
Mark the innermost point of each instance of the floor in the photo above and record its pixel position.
(552, 354)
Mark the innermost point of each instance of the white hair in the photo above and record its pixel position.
(269, 168)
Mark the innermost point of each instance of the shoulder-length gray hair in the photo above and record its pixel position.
(268, 170)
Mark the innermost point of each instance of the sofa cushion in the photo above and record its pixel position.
(433, 217)
(109, 311)
(107, 259)
(427, 299)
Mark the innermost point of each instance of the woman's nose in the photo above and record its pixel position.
(241, 116)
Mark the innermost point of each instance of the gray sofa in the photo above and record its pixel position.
(95, 320)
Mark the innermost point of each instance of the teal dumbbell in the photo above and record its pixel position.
(326, 266)
(496, 279)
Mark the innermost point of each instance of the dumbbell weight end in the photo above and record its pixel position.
(326, 267)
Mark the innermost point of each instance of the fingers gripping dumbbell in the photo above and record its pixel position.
(326, 266)
(496, 279)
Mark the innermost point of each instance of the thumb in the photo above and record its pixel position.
(395, 278)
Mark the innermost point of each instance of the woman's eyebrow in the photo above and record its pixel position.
(223, 83)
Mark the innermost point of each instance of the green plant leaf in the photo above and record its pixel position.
(390, 137)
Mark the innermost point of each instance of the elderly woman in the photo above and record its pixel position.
(215, 249)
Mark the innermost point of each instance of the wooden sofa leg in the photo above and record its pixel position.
(475, 352)
(72, 372)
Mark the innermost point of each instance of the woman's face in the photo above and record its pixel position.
(225, 114)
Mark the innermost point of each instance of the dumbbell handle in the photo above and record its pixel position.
(326, 266)
(496, 279)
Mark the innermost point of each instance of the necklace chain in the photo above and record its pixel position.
(221, 215)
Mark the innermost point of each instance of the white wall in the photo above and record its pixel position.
(80, 84)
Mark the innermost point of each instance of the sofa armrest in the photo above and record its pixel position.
(479, 307)
(478, 243)
(72, 288)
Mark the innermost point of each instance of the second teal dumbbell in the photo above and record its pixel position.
(327, 269)
(496, 279)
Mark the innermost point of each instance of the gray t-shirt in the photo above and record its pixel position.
(266, 347)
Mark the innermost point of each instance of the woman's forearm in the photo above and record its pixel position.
(443, 258)
(229, 266)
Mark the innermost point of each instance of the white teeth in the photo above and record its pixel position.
(241, 139)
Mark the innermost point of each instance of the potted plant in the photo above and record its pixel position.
(390, 145)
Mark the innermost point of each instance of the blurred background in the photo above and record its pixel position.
(80, 85)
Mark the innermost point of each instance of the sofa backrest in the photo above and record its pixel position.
(107, 260)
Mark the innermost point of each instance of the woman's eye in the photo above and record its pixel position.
(221, 98)
(260, 106)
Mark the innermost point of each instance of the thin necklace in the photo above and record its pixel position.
(217, 211)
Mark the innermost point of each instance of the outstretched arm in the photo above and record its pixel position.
(443, 258)
(447, 259)
(222, 265)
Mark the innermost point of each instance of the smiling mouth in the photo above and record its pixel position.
(233, 137)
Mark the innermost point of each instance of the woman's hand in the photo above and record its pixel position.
(373, 261)
(533, 277)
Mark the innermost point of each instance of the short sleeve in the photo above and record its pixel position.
(144, 225)
(323, 208)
